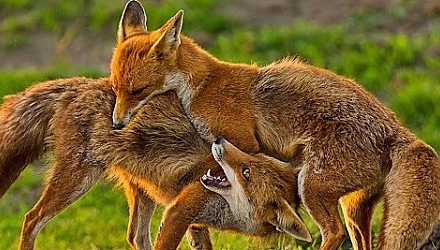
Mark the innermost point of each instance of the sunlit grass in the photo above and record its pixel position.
(99, 221)
(398, 68)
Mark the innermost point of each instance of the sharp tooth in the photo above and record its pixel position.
(209, 172)
(224, 179)
(204, 177)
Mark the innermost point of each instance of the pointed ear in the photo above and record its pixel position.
(289, 222)
(169, 40)
(133, 20)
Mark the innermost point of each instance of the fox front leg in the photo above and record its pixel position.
(179, 216)
(198, 237)
(141, 209)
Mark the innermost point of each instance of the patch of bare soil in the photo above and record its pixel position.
(279, 12)
(85, 49)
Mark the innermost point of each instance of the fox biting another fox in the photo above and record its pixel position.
(354, 150)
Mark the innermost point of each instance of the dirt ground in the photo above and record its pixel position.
(86, 50)
(276, 12)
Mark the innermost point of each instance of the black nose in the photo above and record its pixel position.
(118, 125)
(219, 140)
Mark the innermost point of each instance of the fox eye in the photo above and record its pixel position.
(138, 91)
(246, 172)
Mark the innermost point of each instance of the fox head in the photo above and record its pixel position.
(258, 187)
(141, 60)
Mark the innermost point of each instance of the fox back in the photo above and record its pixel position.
(26, 130)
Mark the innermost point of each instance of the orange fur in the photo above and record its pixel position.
(355, 150)
(158, 157)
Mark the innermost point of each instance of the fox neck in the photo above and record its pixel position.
(241, 207)
(196, 70)
(191, 72)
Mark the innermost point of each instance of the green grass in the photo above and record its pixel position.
(15, 81)
(96, 221)
(99, 219)
(401, 69)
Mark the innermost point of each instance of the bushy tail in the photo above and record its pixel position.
(412, 197)
(25, 121)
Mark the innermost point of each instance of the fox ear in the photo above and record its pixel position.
(169, 41)
(133, 20)
(289, 222)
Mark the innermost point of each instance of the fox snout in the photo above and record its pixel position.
(119, 123)
(125, 108)
(219, 140)
(217, 148)
(120, 118)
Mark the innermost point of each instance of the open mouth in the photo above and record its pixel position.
(215, 181)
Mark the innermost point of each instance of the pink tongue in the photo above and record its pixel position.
(224, 184)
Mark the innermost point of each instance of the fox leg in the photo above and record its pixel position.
(412, 197)
(322, 204)
(65, 186)
(198, 237)
(141, 209)
(180, 215)
(11, 168)
(326, 216)
(358, 208)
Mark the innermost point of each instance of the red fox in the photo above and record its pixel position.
(355, 149)
(159, 158)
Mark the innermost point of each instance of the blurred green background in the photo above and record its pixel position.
(390, 47)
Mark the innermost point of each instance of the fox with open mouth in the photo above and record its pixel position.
(248, 180)
(354, 148)
(158, 157)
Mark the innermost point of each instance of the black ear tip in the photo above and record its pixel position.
(134, 5)
(179, 14)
